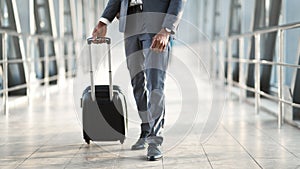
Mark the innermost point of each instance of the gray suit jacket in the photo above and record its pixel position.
(158, 14)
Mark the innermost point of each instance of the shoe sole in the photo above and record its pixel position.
(154, 158)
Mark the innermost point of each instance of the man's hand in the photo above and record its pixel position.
(99, 31)
(160, 41)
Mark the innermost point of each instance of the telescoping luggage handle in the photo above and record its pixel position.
(107, 41)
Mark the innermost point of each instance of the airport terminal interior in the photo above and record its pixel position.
(232, 88)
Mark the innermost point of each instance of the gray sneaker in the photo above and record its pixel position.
(154, 152)
(139, 145)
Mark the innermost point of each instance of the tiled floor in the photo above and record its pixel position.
(48, 134)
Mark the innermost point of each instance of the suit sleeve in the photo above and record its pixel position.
(173, 15)
(111, 10)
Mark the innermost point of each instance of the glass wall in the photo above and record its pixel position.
(216, 20)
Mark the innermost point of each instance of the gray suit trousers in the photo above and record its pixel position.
(148, 72)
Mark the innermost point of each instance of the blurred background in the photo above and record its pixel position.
(42, 39)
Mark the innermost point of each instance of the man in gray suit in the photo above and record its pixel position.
(148, 26)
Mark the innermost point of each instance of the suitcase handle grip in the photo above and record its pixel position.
(91, 40)
(108, 42)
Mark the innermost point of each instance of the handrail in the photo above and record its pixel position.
(28, 61)
(263, 62)
(262, 31)
(245, 87)
(257, 61)
(34, 36)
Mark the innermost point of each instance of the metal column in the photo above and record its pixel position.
(258, 22)
(270, 45)
(235, 27)
(15, 71)
(44, 26)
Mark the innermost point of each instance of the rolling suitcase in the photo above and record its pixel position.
(104, 108)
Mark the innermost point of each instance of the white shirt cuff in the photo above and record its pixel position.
(168, 30)
(104, 20)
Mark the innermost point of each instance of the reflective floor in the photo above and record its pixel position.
(48, 134)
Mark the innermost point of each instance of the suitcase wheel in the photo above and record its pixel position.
(121, 141)
(86, 137)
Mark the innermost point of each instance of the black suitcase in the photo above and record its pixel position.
(104, 108)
